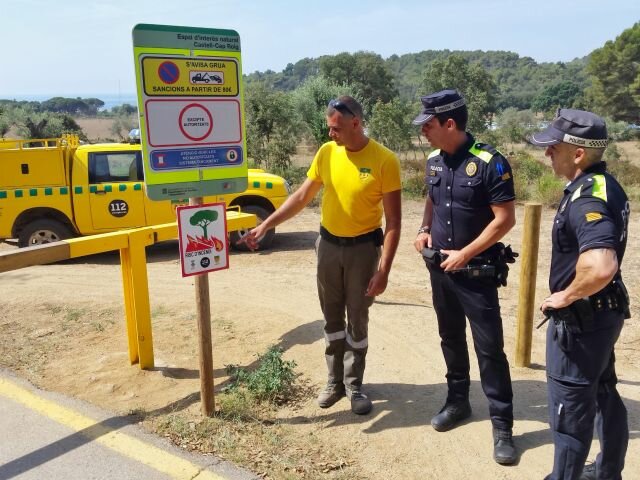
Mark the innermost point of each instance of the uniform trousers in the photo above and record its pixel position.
(582, 389)
(344, 272)
(454, 298)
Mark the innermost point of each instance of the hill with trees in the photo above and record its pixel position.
(508, 96)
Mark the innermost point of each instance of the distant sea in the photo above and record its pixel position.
(110, 100)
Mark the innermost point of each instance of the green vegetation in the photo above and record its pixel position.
(272, 126)
(472, 80)
(272, 381)
(245, 428)
(509, 97)
(614, 70)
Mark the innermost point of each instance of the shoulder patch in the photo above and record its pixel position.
(487, 148)
(599, 189)
(595, 186)
(435, 153)
(479, 150)
(592, 216)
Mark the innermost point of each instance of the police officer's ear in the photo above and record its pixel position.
(579, 156)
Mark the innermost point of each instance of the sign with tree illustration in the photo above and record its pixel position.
(202, 233)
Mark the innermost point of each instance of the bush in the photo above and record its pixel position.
(549, 190)
(522, 187)
(526, 166)
(294, 175)
(413, 184)
(272, 381)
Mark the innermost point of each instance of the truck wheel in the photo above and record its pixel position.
(265, 242)
(40, 232)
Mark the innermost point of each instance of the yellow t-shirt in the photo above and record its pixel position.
(353, 186)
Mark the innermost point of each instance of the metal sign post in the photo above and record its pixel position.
(190, 105)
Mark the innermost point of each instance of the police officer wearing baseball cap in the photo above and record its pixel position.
(468, 209)
(588, 302)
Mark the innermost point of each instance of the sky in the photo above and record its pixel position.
(80, 47)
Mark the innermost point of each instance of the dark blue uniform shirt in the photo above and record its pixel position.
(594, 213)
(462, 188)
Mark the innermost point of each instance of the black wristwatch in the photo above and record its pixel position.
(424, 229)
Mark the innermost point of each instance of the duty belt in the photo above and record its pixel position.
(613, 297)
(580, 314)
(489, 265)
(375, 236)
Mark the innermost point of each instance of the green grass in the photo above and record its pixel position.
(72, 315)
(272, 381)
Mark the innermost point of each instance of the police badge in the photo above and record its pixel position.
(471, 169)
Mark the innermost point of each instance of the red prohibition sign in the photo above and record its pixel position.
(168, 72)
(194, 122)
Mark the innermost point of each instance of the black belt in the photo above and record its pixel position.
(375, 236)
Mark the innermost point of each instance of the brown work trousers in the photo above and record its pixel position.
(344, 273)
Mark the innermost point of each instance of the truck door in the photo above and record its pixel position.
(115, 190)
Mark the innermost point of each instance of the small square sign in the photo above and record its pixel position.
(202, 233)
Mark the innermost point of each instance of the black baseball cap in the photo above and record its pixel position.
(438, 102)
(576, 127)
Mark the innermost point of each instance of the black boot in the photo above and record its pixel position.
(504, 451)
(589, 472)
(451, 415)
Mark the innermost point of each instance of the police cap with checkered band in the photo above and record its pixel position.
(577, 127)
(438, 102)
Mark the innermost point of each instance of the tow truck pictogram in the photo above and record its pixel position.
(205, 77)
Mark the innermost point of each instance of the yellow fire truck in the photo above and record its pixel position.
(53, 189)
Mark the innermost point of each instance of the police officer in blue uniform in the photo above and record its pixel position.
(588, 302)
(468, 209)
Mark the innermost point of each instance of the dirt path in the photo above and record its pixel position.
(62, 327)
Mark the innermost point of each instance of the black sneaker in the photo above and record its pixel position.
(504, 451)
(360, 403)
(451, 415)
(589, 472)
(331, 394)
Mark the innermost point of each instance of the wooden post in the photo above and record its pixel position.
(205, 347)
(527, 294)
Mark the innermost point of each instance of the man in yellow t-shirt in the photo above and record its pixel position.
(361, 180)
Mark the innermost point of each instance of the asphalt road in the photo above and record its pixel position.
(49, 436)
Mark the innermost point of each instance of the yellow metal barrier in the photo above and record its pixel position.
(133, 260)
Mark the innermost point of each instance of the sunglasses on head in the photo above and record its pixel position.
(341, 107)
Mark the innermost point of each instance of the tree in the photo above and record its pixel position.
(311, 101)
(202, 219)
(122, 125)
(471, 80)
(93, 104)
(615, 75)
(272, 126)
(389, 124)
(5, 123)
(558, 95)
(124, 109)
(33, 124)
(365, 71)
(514, 125)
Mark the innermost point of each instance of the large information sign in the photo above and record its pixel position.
(189, 83)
